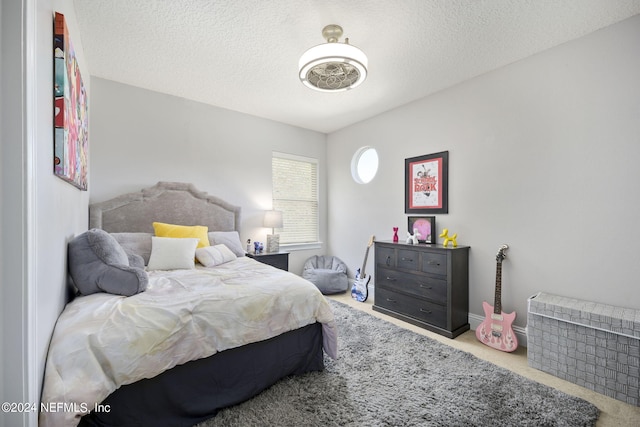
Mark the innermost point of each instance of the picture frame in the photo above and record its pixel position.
(426, 226)
(426, 181)
(70, 150)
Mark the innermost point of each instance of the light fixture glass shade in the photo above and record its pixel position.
(333, 67)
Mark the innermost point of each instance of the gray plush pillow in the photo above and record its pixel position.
(135, 243)
(135, 260)
(97, 263)
(230, 239)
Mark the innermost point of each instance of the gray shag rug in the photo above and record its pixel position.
(389, 376)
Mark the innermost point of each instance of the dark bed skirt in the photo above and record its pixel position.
(197, 390)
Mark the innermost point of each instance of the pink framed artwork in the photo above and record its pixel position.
(426, 183)
(425, 226)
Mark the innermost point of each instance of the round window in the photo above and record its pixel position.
(364, 165)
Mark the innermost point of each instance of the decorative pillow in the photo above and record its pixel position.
(214, 255)
(135, 243)
(135, 260)
(97, 263)
(171, 230)
(231, 239)
(169, 253)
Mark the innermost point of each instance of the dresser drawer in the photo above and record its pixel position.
(425, 311)
(408, 259)
(385, 256)
(434, 263)
(413, 284)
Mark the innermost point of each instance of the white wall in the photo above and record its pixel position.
(139, 137)
(543, 157)
(61, 210)
(40, 212)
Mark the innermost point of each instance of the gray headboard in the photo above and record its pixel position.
(170, 202)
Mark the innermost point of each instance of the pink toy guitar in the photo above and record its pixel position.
(496, 331)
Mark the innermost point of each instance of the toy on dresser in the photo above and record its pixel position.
(453, 239)
(412, 239)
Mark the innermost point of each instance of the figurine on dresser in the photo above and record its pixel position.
(412, 239)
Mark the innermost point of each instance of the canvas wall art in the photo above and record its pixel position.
(70, 161)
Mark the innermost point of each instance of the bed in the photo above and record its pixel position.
(195, 340)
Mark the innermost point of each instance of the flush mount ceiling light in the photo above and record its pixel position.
(333, 66)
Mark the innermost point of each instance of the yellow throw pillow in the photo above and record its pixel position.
(171, 230)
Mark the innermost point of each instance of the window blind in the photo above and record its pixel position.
(295, 193)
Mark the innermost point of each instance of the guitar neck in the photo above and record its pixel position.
(364, 263)
(497, 301)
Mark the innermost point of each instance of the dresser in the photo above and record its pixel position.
(426, 285)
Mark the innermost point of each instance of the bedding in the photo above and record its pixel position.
(197, 339)
(102, 342)
(195, 391)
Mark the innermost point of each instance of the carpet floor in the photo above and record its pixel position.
(389, 376)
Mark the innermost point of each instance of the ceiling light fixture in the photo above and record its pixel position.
(333, 66)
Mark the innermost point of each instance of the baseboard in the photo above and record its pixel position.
(521, 333)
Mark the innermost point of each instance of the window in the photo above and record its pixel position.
(295, 193)
(364, 165)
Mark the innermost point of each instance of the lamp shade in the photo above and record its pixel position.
(273, 219)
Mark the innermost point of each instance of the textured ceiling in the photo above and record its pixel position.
(243, 54)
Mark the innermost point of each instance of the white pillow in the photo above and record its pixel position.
(231, 239)
(168, 253)
(210, 256)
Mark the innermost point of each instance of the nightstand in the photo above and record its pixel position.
(276, 259)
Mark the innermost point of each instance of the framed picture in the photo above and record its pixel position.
(425, 225)
(70, 151)
(426, 180)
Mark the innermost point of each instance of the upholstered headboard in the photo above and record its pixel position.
(170, 202)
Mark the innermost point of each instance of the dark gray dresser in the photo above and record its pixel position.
(426, 285)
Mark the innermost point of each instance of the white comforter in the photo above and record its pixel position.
(103, 341)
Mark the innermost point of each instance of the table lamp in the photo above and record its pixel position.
(273, 220)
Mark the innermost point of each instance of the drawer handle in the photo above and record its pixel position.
(433, 263)
(422, 310)
(391, 279)
(407, 259)
(391, 300)
(426, 287)
(388, 260)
